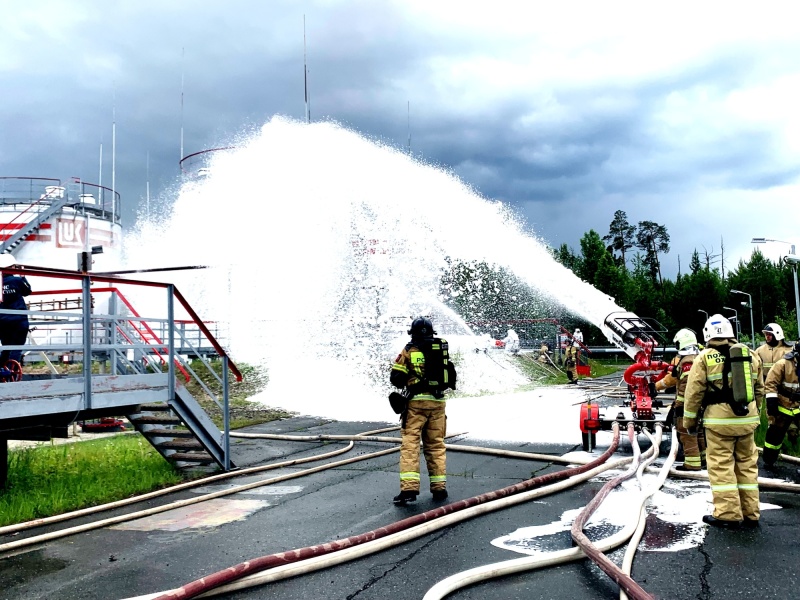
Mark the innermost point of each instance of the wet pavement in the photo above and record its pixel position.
(163, 551)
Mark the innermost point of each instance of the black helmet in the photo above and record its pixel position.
(421, 327)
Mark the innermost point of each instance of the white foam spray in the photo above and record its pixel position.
(323, 246)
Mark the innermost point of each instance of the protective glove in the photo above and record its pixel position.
(772, 406)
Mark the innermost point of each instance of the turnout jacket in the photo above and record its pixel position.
(671, 378)
(706, 373)
(782, 383)
(769, 355)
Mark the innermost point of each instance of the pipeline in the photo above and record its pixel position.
(625, 582)
(184, 486)
(205, 584)
(519, 565)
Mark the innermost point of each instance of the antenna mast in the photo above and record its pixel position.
(409, 126)
(148, 184)
(305, 73)
(183, 52)
(114, 157)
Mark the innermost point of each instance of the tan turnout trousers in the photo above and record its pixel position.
(425, 421)
(733, 475)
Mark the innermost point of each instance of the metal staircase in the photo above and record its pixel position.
(41, 211)
(134, 366)
(181, 431)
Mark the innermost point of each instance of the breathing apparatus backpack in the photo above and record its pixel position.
(440, 373)
(737, 383)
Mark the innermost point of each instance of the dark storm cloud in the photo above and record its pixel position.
(557, 140)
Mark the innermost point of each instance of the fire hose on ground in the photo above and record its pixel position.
(622, 579)
(518, 565)
(427, 521)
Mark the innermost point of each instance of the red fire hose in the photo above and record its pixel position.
(204, 584)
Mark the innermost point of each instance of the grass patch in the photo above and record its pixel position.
(50, 480)
(243, 412)
(545, 375)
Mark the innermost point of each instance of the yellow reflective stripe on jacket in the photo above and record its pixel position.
(747, 373)
(400, 367)
(746, 420)
(427, 397)
(714, 377)
(789, 411)
(687, 414)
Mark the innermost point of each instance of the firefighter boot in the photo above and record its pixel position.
(405, 497)
(712, 520)
(439, 495)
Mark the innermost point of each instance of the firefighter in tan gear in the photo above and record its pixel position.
(725, 380)
(670, 381)
(783, 402)
(571, 361)
(693, 444)
(773, 349)
(423, 371)
(770, 352)
(544, 354)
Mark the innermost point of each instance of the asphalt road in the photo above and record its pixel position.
(167, 550)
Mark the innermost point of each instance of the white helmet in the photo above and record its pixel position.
(685, 339)
(6, 260)
(775, 329)
(717, 326)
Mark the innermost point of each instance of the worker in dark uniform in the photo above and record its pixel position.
(423, 371)
(13, 326)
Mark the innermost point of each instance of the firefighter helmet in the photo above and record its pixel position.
(717, 326)
(775, 329)
(421, 327)
(6, 260)
(684, 339)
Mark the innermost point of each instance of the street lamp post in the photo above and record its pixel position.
(750, 306)
(793, 260)
(735, 318)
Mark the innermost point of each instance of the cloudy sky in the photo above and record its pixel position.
(687, 114)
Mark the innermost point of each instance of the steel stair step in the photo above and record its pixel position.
(181, 445)
(175, 433)
(195, 457)
(154, 420)
(161, 406)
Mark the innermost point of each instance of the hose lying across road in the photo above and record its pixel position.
(231, 574)
(519, 565)
(624, 580)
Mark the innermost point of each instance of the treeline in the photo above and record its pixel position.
(625, 264)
